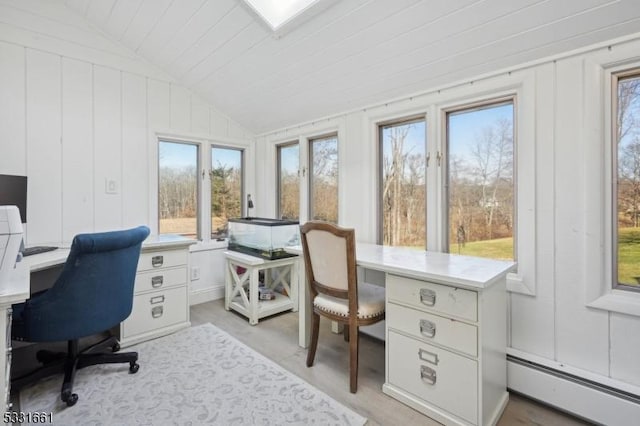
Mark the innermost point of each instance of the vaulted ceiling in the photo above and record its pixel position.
(351, 54)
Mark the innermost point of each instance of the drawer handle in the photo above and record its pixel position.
(157, 281)
(157, 261)
(156, 299)
(157, 311)
(429, 357)
(427, 328)
(427, 296)
(428, 375)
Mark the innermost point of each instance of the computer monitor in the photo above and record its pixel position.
(13, 192)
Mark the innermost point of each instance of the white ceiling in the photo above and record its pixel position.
(353, 53)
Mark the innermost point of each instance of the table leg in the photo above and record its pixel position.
(228, 285)
(254, 297)
(304, 307)
(294, 284)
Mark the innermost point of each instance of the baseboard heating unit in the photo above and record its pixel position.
(588, 399)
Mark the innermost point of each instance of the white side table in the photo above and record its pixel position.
(276, 273)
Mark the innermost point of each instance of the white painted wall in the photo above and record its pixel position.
(76, 109)
(562, 312)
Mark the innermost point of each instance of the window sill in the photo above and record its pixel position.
(517, 284)
(624, 302)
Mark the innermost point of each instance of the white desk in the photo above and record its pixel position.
(462, 271)
(42, 261)
(445, 330)
(161, 300)
(14, 289)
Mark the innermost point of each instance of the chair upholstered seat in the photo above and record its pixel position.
(370, 302)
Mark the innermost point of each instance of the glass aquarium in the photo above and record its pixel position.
(261, 237)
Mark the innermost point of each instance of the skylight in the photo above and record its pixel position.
(276, 13)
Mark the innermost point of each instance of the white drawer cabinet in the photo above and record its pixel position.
(161, 293)
(440, 330)
(434, 374)
(447, 300)
(446, 349)
(156, 311)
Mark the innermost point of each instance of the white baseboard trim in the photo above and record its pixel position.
(206, 295)
(580, 399)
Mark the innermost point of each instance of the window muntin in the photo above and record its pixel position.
(480, 196)
(226, 188)
(178, 188)
(402, 168)
(626, 204)
(289, 181)
(323, 178)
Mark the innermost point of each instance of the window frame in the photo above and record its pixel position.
(310, 141)
(204, 241)
(243, 192)
(478, 105)
(598, 289)
(633, 72)
(278, 147)
(199, 192)
(410, 119)
(522, 85)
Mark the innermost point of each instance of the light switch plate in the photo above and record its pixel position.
(110, 186)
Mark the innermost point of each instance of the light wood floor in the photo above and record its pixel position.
(277, 338)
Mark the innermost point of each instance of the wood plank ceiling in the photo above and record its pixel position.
(353, 53)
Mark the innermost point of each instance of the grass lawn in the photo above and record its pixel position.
(500, 248)
(628, 255)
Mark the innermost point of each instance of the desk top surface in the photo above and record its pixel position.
(467, 271)
(40, 261)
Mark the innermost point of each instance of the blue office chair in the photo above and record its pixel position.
(93, 294)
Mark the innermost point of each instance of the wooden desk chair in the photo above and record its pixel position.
(330, 260)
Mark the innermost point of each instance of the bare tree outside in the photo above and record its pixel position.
(324, 179)
(481, 181)
(628, 180)
(178, 188)
(403, 180)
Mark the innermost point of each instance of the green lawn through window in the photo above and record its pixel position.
(628, 253)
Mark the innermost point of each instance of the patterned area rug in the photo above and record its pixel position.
(201, 375)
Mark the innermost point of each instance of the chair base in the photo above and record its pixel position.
(73, 360)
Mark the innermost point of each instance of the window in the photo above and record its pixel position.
(189, 203)
(323, 182)
(289, 181)
(178, 188)
(626, 204)
(226, 188)
(402, 147)
(277, 13)
(480, 196)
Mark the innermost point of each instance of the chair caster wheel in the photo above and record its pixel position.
(71, 399)
(115, 347)
(133, 368)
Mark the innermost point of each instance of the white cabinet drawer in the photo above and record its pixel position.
(161, 278)
(152, 311)
(445, 299)
(162, 259)
(444, 331)
(434, 375)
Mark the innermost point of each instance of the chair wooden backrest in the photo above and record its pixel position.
(330, 261)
